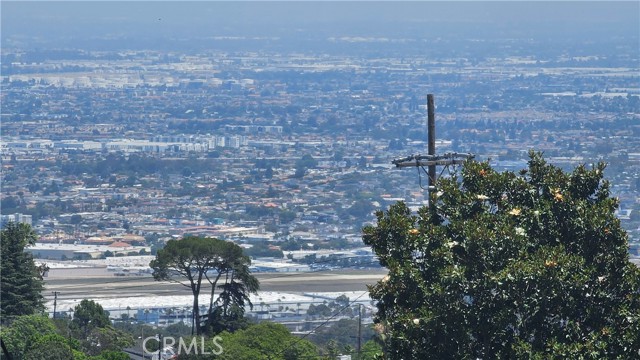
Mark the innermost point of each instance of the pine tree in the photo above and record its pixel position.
(21, 283)
(192, 260)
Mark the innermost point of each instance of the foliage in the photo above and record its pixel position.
(49, 347)
(322, 310)
(533, 265)
(263, 249)
(235, 291)
(371, 350)
(305, 162)
(264, 341)
(114, 355)
(88, 315)
(176, 330)
(291, 245)
(190, 258)
(37, 337)
(287, 216)
(340, 305)
(21, 283)
(92, 327)
(233, 321)
(361, 208)
(343, 332)
(196, 259)
(106, 339)
(24, 331)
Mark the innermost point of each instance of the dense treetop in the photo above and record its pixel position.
(21, 281)
(506, 265)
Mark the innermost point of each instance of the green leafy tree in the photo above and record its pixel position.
(264, 341)
(107, 339)
(192, 260)
(332, 349)
(75, 219)
(361, 208)
(189, 258)
(49, 347)
(300, 171)
(21, 282)
(92, 327)
(89, 315)
(114, 355)
(233, 321)
(371, 350)
(508, 266)
(305, 162)
(24, 331)
(235, 291)
(177, 329)
(37, 337)
(286, 216)
(238, 285)
(268, 174)
(225, 254)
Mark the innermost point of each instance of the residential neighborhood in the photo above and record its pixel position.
(288, 152)
(319, 180)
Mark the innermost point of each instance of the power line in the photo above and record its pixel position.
(322, 324)
(431, 160)
(351, 302)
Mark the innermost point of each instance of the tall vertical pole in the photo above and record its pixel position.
(144, 349)
(359, 329)
(431, 139)
(55, 303)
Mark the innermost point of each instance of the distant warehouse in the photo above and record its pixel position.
(268, 266)
(83, 252)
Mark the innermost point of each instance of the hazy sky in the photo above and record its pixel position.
(53, 21)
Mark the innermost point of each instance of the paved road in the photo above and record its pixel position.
(98, 283)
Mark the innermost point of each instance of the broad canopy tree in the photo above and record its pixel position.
(91, 325)
(24, 331)
(88, 315)
(36, 337)
(506, 266)
(194, 260)
(263, 341)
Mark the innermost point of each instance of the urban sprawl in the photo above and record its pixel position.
(110, 154)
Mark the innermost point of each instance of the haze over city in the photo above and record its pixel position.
(273, 126)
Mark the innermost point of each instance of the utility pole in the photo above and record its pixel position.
(431, 139)
(144, 349)
(431, 160)
(359, 349)
(55, 302)
(159, 346)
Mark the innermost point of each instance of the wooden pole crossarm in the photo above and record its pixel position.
(419, 163)
(431, 160)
